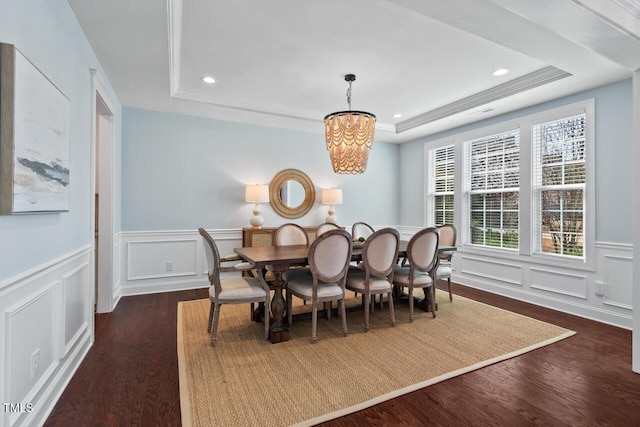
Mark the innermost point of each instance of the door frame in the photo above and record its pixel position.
(102, 149)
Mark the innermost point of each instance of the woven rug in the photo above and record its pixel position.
(247, 381)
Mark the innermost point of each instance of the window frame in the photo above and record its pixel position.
(431, 193)
(468, 192)
(587, 108)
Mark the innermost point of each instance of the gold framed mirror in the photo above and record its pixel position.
(291, 193)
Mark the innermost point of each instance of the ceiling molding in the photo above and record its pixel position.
(632, 12)
(527, 82)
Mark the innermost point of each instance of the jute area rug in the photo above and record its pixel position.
(247, 381)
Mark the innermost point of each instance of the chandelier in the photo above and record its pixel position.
(349, 136)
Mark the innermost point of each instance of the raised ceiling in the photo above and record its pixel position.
(282, 62)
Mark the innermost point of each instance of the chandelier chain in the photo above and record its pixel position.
(349, 96)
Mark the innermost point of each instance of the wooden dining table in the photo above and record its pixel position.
(279, 259)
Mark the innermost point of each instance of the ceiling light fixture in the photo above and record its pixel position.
(397, 116)
(500, 72)
(349, 136)
(208, 79)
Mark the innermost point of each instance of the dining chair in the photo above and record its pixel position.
(324, 227)
(235, 290)
(361, 229)
(290, 234)
(422, 256)
(324, 280)
(444, 271)
(379, 256)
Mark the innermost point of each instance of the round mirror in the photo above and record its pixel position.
(291, 193)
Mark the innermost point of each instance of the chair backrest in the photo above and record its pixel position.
(290, 234)
(380, 252)
(327, 226)
(329, 256)
(213, 259)
(422, 250)
(447, 238)
(361, 229)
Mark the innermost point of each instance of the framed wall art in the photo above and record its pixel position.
(34, 138)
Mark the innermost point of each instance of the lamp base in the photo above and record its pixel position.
(256, 220)
(331, 219)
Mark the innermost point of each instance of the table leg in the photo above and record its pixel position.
(279, 331)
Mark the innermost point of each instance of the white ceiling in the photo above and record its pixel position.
(282, 62)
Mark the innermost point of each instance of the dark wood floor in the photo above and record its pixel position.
(130, 377)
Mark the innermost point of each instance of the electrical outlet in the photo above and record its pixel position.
(35, 362)
(600, 289)
(169, 266)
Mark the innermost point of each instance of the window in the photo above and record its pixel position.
(559, 186)
(441, 185)
(492, 180)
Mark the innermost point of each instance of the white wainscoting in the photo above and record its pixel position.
(572, 290)
(162, 261)
(47, 314)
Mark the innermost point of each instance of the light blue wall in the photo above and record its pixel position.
(613, 110)
(48, 34)
(183, 172)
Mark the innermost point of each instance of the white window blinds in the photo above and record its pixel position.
(559, 169)
(441, 185)
(492, 185)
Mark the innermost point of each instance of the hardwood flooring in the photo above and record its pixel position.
(130, 377)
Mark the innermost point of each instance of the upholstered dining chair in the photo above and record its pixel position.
(290, 234)
(444, 271)
(324, 280)
(379, 256)
(236, 290)
(324, 227)
(361, 229)
(422, 256)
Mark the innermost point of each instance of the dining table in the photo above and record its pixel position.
(279, 259)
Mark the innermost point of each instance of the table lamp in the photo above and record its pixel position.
(331, 196)
(255, 194)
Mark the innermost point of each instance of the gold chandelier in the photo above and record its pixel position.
(349, 137)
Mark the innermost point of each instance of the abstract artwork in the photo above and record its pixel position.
(34, 138)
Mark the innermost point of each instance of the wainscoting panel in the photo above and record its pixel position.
(148, 256)
(560, 282)
(618, 285)
(45, 322)
(506, 273)
(75, 308)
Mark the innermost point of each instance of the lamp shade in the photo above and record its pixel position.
(332, 196)
(256, 193)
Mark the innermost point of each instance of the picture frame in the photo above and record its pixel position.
(34, 138)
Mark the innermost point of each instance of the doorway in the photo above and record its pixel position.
(103, 198)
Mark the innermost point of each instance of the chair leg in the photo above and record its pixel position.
(343, 314)
(381, 302)
(253, 311)
(410, 303)
(328, 306)
(367, 303)
(210, 318)
(449, 284)
(314, 321)
(267, 319)
(216, 318)
(393, 313)
(433, 300)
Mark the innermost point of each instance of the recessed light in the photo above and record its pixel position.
(208, 79)
(397, 116)
(500, 72)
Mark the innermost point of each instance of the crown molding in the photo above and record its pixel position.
(529, 81)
